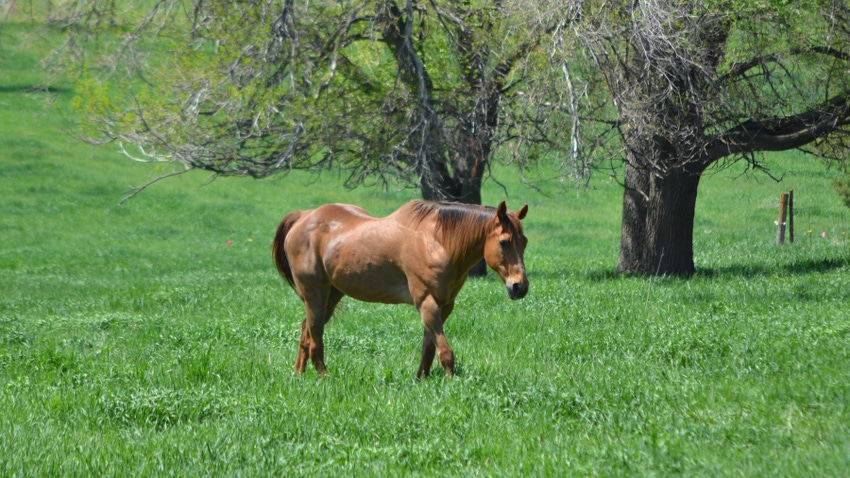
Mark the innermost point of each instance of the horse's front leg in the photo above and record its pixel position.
(434, 339)
(429, 345)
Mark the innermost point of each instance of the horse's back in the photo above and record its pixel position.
(316, 227)
(340, 211)
(330, 218)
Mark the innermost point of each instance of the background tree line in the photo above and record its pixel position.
(428, 94)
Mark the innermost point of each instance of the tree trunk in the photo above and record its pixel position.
(464, 186)
(658, 223)
(470, 193)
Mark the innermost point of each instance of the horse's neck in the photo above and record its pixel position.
(471, 250)
(472, 259)
(463, 239)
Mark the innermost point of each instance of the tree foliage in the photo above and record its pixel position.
(385, 90)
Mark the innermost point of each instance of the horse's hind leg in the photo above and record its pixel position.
(429, 349)
(303, 349)
(319, 306)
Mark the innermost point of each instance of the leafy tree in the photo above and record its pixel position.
(695, 84)
(388, 91)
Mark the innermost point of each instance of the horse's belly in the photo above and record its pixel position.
(372, 282)
(372, 286)
(361, 264)
(385, 296)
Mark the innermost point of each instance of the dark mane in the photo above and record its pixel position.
(456, 222)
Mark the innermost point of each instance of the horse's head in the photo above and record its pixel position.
(504, 248)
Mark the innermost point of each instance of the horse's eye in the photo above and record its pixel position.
(504, 243)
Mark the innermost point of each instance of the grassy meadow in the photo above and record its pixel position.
(135, 341)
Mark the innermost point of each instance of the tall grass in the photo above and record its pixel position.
(135, 340)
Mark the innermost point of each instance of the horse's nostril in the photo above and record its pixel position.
(517, 290)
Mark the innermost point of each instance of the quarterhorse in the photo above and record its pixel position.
(420, 255)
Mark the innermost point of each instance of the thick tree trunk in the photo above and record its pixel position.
(464, 186)
(471, 194)
(658, 223)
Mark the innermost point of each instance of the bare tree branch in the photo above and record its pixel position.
(138, 189)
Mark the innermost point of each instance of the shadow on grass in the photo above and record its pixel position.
(33, 89)
(745, 270)
(801, 267)
(592, 275)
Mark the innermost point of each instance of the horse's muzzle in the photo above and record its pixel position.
(518, 289)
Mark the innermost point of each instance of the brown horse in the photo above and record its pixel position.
(420, 255)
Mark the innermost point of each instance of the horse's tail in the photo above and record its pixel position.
(278, 253)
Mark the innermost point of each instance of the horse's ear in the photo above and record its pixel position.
(522, 212)
(502, 211)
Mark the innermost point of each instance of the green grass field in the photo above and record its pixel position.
(135, 341)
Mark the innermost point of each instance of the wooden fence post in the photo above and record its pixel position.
(791, 216)
(780, 228)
